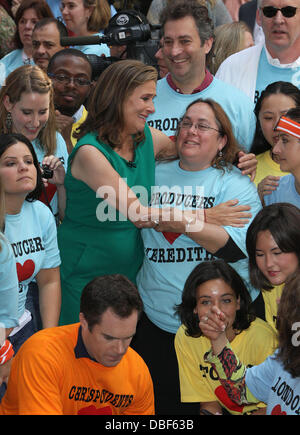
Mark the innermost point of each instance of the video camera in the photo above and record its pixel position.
(126, 27)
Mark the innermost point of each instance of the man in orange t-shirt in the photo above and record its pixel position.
(87, 367)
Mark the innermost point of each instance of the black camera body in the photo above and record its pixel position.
(126, 27)
(47, 172)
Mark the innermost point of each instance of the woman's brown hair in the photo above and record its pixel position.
(288, 325)
(100, 15)
(231, 148)
(42, 10)
(105, 109)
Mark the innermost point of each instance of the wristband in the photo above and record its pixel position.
(6, 352)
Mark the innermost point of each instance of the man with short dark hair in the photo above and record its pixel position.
(71, 74)
(46, 40)
(187, 41)
(85, 368)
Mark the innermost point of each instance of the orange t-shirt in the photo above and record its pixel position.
(51, 375)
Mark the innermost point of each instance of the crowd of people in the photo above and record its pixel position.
(150, 214)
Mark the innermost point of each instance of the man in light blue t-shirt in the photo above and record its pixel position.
(187, 40)
(276, 59)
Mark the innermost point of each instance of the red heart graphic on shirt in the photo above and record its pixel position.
(277, 411)
(92, 410)
(221, 394)
(171, 237)
(26, 270)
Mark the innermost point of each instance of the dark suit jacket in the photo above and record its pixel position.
(247, 13)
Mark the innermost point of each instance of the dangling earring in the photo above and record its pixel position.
(220, 154)
(8, 122)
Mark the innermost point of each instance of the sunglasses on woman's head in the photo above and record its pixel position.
(287, 11)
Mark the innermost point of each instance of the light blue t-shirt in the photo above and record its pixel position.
(62, 153)
(55, 8)
(170, 107)
(273, 385)
(285, 192)
(97, 49)
(267, 73)
(12, 61)
(33, 237)
(9, 287)
(170, 257)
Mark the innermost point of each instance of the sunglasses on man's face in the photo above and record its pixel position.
(287, 11)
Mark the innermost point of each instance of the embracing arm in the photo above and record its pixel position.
(92, 167)
(163, 146)
(58, 178)
(48, 281)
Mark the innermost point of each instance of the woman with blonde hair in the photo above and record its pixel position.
(87, 18)
(26, 106)
(229, 39)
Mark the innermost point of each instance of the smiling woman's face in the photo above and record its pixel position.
(198, 147)
(275, 264)
(138, 106)
(29, 114)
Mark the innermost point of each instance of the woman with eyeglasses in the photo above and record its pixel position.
(271, 60)
(202, 178)
(108, 183)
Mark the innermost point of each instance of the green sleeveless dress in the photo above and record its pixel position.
(90, 247)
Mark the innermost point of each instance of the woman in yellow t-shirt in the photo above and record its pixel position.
(275, 100)
(273, 246)
(215, 283)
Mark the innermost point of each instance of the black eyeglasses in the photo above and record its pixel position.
(65, 80)
(287, 11)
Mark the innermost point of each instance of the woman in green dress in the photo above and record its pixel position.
(114, 157)
(108, 183)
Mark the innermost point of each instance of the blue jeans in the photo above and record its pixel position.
(32, 305)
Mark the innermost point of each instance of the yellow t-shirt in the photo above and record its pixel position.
(53, 374)
(266, 166)
(271, 299)
(77, 124)
(200, 383)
